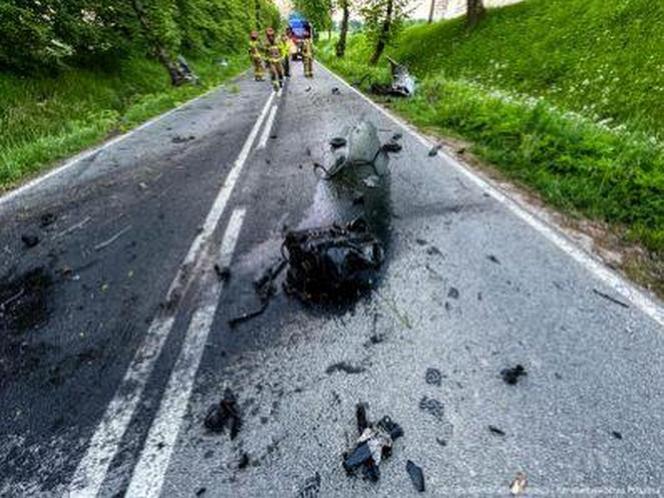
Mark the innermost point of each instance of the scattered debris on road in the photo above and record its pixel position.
(244, 462)
(337, 142)
(416, 475)
(23, 301)
(224, 414)
(453, 293)
(345, 367)
(106, 243)
(336, 91)
(495, 430)
(493, 259)
(610, 298)
(30, 240)
(311, 487)
(201, 491)
(265, 289)
(331, 264)
(74, 227)
(616, 434)
(434, 150)
(373, 445)
(46, 220)
(511, 375)
(433, 407)
(392, 146)
(223, 272)
(177, 139)
(433, 377)
(518, 486)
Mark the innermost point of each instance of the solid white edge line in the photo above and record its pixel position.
(150, 470)
(81, 156)
(93, 467)
(648, 305)
(268, 128)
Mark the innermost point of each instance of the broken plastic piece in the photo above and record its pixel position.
(416, 475)
(373, 446)
(518, 486)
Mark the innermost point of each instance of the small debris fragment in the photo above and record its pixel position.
(433, 407)
(225, 413)
(453, 293)
(495, 430)
(434, 251)
(611, 298)
(311, 487)
(223, 272)
(493, 259)
(179, 139)
(518, 486)
(616, 434)
(47, 219)
(416, 475)
(397, 136)
(30, 240)
(433, 377)
(511, 375)
(338, 142)
(392, 146)
(371, 181)
(115, 237)
(373, 445)
(441, 442)
(201, 491)
(342, 366)
(23, 300)
(336, 91)
(358, 200)
(434, 150)
(244, 461)
(421, 242)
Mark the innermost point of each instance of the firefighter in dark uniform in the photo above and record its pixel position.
(274, 59)
(256, 55)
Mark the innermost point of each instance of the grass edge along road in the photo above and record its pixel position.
(614, 177)
(45, 120)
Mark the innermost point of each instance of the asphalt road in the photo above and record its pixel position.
(108, 377)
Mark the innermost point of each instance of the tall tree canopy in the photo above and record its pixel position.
(383, 20)
(47, 35)
(317, 12)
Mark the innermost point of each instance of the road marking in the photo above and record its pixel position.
(92, 469)
(608, 277)
(150, 471)
(268, 128)
(10, 195)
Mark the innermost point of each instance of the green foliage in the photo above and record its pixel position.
(564, 96)
(317, 12)
(44, 119)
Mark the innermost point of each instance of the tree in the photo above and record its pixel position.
(474, 12)
(432, 10)
(343, 30)
(317, 12)
(383, 19)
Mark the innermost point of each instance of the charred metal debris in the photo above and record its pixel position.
(373, 445)
(225, 414)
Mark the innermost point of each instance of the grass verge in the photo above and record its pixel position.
(586, 169)
(44, 120)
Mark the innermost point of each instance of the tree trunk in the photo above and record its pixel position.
(160, 52)
(384, 34)
(341, 44)
(432, 10)
(257, 9)
(475, 11)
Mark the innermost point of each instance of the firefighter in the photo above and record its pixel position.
(274, 59)
(255, 53)
(285, 45)
(308, 56)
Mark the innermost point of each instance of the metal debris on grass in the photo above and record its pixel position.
(373, 445)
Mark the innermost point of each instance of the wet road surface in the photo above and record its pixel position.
(105, 391)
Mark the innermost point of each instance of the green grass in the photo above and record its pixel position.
(47, 119)
(561, 96)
